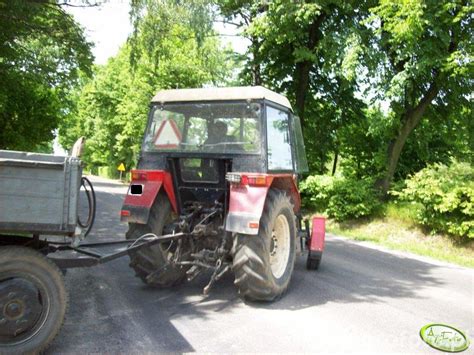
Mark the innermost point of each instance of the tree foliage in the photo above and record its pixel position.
(340, 61)
(164, 52)
(384, 88)
(42, 51)
(421, 63)
(306, 50)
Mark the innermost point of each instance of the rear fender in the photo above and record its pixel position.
(247, 200)
(136, 206)
(245, 208)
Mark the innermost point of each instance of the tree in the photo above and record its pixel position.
(421, 63)
(164, 52)
(362, 143)
(42, 50)
(308, 50)
(242, 15)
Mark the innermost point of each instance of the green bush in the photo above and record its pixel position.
(340, 198)
(352, 198)
(107, 172)
(315, 191)
(447, 196)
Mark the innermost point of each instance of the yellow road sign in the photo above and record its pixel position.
(121, 167)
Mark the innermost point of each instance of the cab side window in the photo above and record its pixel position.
(278, 140)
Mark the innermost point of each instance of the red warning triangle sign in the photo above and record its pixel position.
(168, 135)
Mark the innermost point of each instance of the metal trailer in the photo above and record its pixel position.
(38, 193)
(39, 196)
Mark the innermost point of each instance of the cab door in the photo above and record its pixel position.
(279, 150)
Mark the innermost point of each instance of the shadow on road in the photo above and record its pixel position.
(348, 274)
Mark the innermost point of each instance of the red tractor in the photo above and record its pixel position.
(218, 167)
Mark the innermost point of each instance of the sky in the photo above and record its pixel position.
(108, 26)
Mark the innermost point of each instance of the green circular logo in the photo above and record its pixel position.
(444, 337)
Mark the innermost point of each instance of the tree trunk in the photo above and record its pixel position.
(256, 71)
(303, 68)
(302, 83)
(410, 120)
(334, 164)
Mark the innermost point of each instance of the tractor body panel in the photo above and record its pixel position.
(245, 208)
(142, 193)
(248, 195)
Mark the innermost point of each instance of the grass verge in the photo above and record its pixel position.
(396, 230)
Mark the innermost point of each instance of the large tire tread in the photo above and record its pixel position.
(147, 260)
(251, 267)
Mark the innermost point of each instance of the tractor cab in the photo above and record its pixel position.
(201, 135)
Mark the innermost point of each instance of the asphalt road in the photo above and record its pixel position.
(362, 300)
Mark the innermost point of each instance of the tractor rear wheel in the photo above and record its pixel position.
(152, 264)
(263, 263)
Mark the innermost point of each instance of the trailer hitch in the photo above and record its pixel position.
(93, 257)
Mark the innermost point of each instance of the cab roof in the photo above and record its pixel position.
(220, 94)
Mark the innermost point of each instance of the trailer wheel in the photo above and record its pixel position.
(33, 300)
(263, 263)
(151, 264)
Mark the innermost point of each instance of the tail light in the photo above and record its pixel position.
(258, 180)
(138, 175)
(254, 180)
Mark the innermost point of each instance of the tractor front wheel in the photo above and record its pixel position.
(153, 265)
(263, 263)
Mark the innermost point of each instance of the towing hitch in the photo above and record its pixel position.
(93, 257)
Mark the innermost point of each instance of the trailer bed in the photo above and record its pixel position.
(38, 193)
